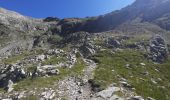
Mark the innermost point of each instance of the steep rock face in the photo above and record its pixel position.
(17, 32)
(17, 20)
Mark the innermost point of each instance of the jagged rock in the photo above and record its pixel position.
(47, 70)
(55, 52)
(115, 97)
(108, 93)
(41, 57)
(72, 59)
(13, 27)
(10, 86)
(125, 84)
(95, 87)
(48, 95)
(158, 49)
(21, 95)
(113, 42)
(87, 49)
(11, 74)
(137, 98)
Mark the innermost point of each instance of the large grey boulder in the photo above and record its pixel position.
(113, 42)
(158, 49)
(87, 49)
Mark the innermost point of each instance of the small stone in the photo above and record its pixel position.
(137, 98)
(153, 81)
(143, 64)
(149, 98)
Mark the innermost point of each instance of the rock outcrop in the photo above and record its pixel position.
(10, 74)
(158, 49)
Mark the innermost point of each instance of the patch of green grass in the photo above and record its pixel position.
(31, 97)
(119, 93)
(2, 90)
(41, 82)
(14, 58)
(136, 39)
(110, 65)
(99, 41)
(64, 98)
(53, 60)
(55, 39)
(31, 68)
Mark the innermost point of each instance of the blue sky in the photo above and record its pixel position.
(63, 8)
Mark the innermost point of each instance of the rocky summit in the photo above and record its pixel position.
(122, 55)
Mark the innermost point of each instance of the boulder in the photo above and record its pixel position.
(10, 86)
(87, 49)
(55, 52)
(108, 92)
(48, 95)
(41, 57)
(158, 49)
(125, 84)
(113, 42)
(11, 74)
(47, 70)
(72, 59)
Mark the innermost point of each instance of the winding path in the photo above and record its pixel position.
(72, 88)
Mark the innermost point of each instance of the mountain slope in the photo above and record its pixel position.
(123, 55)
(143, 9)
